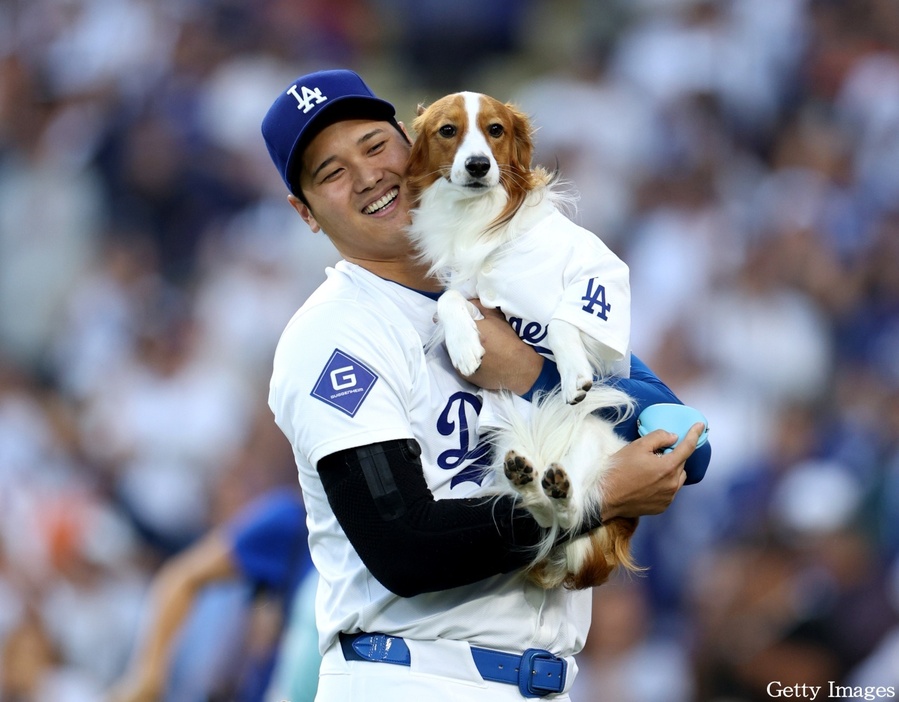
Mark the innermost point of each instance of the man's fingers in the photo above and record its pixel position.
(685, 448)
(659, 439)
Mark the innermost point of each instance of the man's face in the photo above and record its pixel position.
(352, 177)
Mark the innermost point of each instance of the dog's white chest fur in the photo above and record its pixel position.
(566, 292)
(451, 229)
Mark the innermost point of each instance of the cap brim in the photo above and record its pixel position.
(337, 110)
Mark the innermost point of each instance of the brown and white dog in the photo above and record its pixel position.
(489, 225)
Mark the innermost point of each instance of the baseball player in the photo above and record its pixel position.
(421, 593)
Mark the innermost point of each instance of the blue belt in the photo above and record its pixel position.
(536, 672)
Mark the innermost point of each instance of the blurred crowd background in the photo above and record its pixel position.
(742, 156)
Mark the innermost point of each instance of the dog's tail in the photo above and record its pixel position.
(550, 425)
(594, 557)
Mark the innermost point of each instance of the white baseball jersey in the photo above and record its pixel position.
(559, 270)
(349, 370)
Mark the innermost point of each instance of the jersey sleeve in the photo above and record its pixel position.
(597, 300)
(647, 389)
(342, 377)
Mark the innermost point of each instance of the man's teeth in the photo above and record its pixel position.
(382, 203)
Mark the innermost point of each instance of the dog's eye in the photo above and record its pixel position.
(447, 130)
(495, 130)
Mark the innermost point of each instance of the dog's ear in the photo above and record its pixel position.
(418, 155)
(418, 122)
(523, 134)
(519, 179)
(417, 165)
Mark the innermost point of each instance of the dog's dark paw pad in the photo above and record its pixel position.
(577, 397)
(518, 469)
(555, 482)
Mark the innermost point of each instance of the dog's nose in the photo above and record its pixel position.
(477, 166)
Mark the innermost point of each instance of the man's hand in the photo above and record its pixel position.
(508, 362)
(644, 481)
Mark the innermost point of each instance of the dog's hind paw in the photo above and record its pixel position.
(518, 469)
(555, 482)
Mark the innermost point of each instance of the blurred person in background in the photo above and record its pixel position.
(263, 548)
(629, 657)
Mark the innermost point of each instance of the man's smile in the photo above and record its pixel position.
(382, 202)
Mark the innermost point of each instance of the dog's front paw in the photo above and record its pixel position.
(575, 389)
(466, 357)
(463, 340)
(572, 360)
(576, 379)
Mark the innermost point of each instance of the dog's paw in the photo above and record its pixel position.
(464, 348)
(466, 358)
(518, 469)
(575, 368)
(463, 340)
(555, 482)
(576, 383)
(576, 390)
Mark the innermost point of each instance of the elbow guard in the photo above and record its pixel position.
(411, 542)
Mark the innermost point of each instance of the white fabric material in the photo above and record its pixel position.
(534, 283)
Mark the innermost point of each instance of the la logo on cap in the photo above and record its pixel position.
(308, 99)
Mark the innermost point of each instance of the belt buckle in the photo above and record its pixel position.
(378, 648)
(541, 673)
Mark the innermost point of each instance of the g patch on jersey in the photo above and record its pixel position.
(344, 383)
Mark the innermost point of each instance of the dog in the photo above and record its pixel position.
(490, 226)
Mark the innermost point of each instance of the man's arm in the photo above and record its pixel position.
(512, 364)
(411, 542)
(414, 544)
(173, 594)
(508, 362)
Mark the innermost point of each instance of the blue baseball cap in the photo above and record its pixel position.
(310, 104)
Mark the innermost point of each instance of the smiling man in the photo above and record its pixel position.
(417, 569)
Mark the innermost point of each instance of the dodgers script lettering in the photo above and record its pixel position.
(455, 420)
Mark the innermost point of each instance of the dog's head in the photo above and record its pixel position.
(475, 143)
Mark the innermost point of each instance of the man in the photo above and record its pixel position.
(421, 592)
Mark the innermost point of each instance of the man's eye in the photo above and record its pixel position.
(332, 175)
(447, 130)
(377, 147)
(495, 130)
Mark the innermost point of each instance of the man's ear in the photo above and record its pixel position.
(405, 131)
(304, 212)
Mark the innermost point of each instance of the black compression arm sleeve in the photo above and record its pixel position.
(411, 542)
